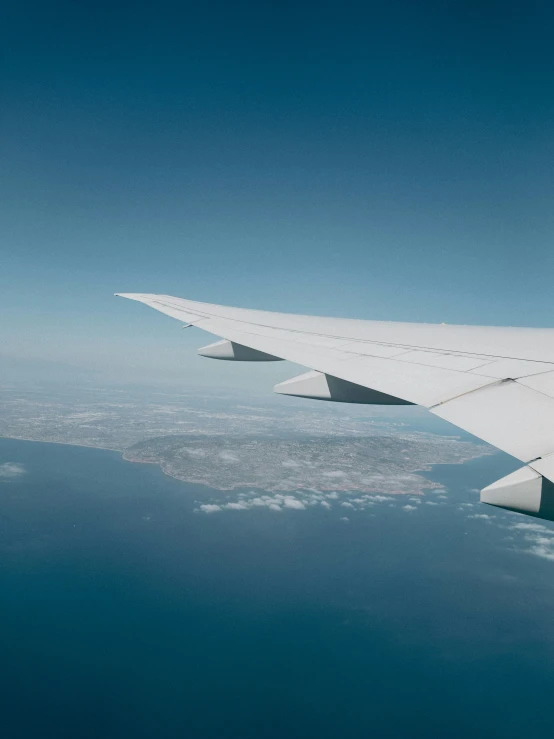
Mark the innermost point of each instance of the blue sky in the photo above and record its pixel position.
(374, 160)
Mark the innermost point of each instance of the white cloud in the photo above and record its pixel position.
(345, 519)
(334, 473)
(243, 503)
(484, 516)
(210, 508)
(11, 470)
(542, 549)
(290, 502)
(538, 537)
(531, 527)
(303, 499)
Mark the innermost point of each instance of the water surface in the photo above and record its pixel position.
(125, 613)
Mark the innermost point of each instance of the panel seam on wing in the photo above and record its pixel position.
(470, 392)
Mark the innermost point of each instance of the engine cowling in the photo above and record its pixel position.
(231, 351)
(523, 491)
(320, 386)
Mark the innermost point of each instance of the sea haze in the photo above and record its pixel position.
(127, 612)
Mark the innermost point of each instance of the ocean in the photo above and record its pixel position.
(126, 613)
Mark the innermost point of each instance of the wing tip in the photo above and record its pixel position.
(133, 296)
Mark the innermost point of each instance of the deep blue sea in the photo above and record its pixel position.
(126, 614)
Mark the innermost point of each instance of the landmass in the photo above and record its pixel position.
(370, 464)
(227, 444)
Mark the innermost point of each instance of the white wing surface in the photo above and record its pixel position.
(495, 382)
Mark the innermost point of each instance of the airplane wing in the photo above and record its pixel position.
(495, 382)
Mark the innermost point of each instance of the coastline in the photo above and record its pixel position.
(62, 443)
(427, 481)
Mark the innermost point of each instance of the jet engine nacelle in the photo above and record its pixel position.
(319, 386)
(230, 350)
(523, 491)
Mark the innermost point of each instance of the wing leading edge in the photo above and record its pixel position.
(495, 382)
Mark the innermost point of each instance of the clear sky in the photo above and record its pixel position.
(374, 160)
